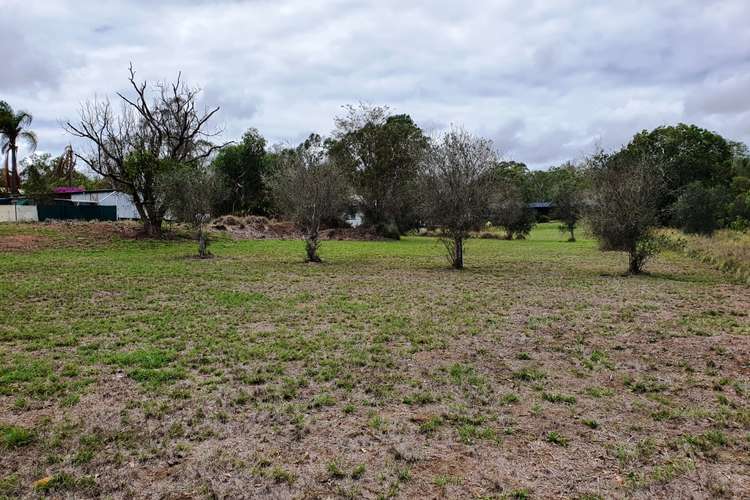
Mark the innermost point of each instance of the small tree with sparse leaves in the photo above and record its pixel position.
(309, 189)
(568, 199)
(189, 196)
(457, 188)
(624, 205)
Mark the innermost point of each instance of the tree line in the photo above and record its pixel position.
(157, 144)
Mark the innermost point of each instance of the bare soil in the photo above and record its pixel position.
(254, 227)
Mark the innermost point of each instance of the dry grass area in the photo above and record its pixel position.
(253, 227)
(128, 370)
(69, 234)
(727, 250)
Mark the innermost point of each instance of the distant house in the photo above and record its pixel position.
(123, 202)
(70, 203)
(543, 208)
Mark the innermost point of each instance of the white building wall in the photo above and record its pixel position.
(18, 213)
(123, 201)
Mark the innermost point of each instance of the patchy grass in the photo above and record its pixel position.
(127, 367)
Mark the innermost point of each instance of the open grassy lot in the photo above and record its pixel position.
(128, 369)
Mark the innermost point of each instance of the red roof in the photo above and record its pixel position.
(68, 189)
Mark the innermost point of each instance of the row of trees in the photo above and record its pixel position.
(461, 185)
(456, 185)
(158, 138)
(43, 173)
(158, 145)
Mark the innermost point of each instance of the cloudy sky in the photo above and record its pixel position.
(545, 79)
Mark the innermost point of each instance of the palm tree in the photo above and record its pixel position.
(13, 130)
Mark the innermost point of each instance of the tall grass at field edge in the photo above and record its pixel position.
(726, 250)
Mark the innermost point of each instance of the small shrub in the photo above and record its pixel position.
(403, 474)
(377, 423)
(83, 457)
(335, 470)
(520, 494)
(322, 400)
(431, 425)
(644, 385)
(600, 392)
(558, 398)
(15, 437)
(509, 398)
(358, 471)
(529, 375)
(557, 438)
(420, 398)
(280, 475)
(591, 423)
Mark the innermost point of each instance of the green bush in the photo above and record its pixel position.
(699, 210)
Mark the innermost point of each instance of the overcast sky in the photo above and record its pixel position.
(545, 79)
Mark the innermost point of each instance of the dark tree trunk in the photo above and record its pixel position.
(152, 221)
(635, 262)
(458, 253)
(311, 247)
(572, 236)
(6, 172)
(152, 226)
(14, 178)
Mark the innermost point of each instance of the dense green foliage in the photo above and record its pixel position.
(381, 153)
(704, 177)
(40, 177)
(700, 209)
(682, 154)
(241, 168)
(512, 195)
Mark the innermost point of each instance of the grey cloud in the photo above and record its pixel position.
(726, 96)
(28, 66)
(546, 81)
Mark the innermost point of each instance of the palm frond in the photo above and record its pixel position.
(23, 119)
(30, 139)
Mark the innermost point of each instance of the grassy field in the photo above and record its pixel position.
(130, 369)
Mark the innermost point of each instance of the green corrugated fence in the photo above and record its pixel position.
(79, 212)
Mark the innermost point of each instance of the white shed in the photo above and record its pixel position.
(123, 201)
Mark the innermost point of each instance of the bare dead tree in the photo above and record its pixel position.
(623, 206)
(308, 188)
(457, 188)
(157, 129)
